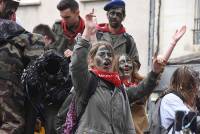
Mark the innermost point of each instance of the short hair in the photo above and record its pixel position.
(44, 30)
(65, 4)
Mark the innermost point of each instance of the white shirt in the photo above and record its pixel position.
(169, 105)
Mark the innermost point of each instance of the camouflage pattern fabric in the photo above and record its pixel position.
(15, 44)
(11, 108)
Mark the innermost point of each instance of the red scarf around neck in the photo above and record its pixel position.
(128, 83)
(73, 34)
(105, 28)
(112, 77)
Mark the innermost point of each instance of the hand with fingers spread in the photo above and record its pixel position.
(175, 38)
(90, 26)
(158, 64)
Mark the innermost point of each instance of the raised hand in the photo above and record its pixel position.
(90, 26)
(178, 34)
(175, 38)
(158, 64)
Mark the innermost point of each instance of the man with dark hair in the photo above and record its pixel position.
(47, 33)
(115, 33)
(15, 45)
(70, 25)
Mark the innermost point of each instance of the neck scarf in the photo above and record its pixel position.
(128, 83)
(112, 77)
(105, 28)
(72, 34)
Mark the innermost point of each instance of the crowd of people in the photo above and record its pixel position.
(82, 77)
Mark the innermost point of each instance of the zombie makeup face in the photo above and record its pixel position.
(103, 59)
(125, 66)
(115, 17)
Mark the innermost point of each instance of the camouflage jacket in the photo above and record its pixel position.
(17, 48)
(63, 42)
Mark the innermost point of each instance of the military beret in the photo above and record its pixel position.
(114, 3)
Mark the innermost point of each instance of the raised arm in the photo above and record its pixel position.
(149, 83)
(79, 63)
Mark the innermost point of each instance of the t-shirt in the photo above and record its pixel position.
(169, 105)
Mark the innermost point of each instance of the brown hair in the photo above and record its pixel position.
(94, 50)
(44, 30)
(185, 81)
(135, 76)
(65, 4)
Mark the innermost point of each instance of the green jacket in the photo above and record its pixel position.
(105, 113)
(63, 42)
(17, 48)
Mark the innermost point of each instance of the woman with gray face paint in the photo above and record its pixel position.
(130, 77)
(108, 108)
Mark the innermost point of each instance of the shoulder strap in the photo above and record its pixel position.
(92, 85)
(99, 34)
(128, 42)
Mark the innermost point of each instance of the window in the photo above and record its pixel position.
(196, 31)
(30, 2)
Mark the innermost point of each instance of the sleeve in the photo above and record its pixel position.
(79, 66)
(144, 88)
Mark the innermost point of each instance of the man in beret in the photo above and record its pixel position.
(15, 52)
(115, 33)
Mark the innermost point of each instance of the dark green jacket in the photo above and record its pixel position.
(63, 42)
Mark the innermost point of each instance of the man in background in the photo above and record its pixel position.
(70, 25)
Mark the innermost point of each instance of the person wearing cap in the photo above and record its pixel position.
(15, 53)
(69, 26)
(115, 33)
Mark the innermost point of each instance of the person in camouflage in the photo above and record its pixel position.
(70, 25)
(15, 46)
